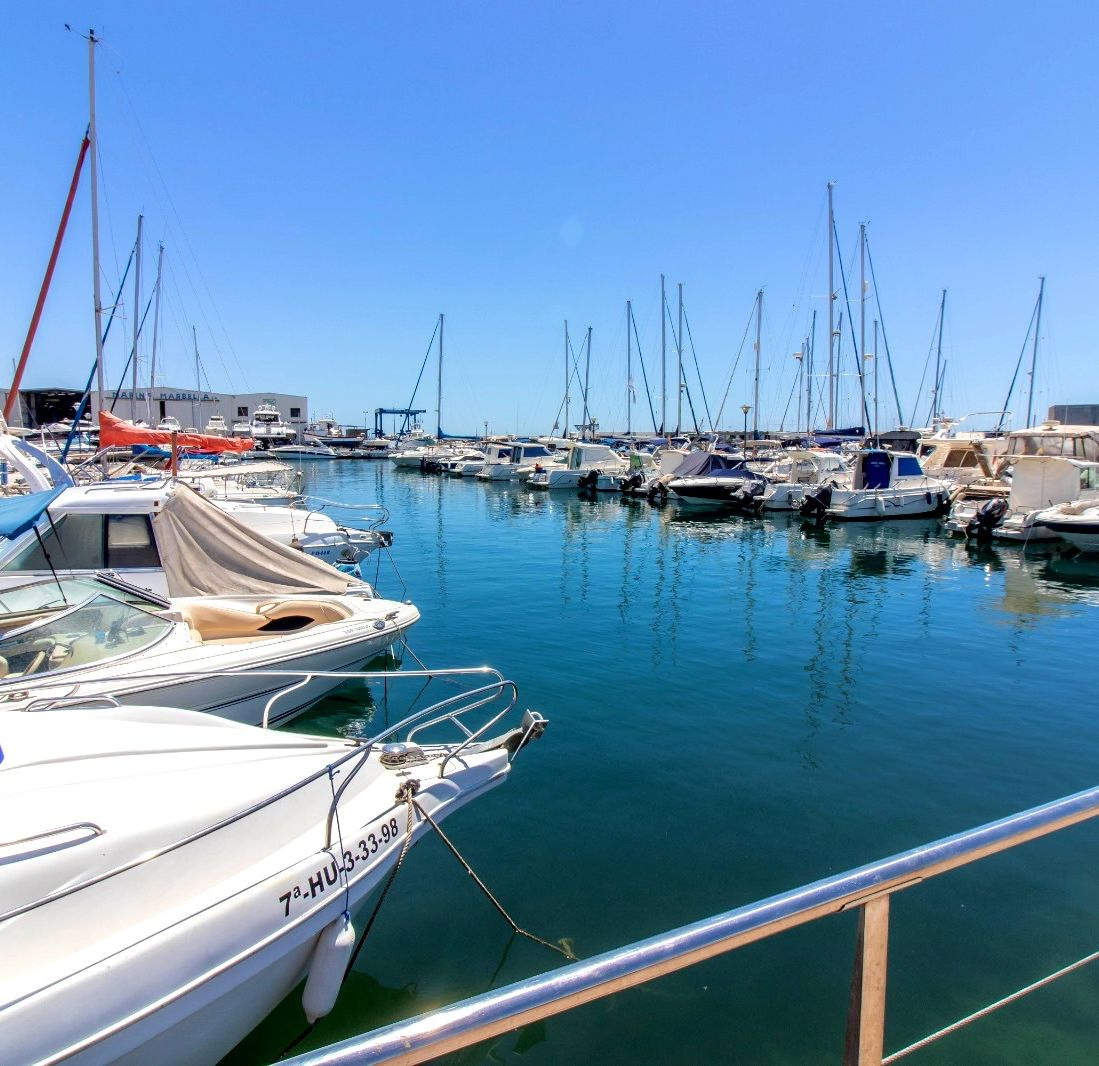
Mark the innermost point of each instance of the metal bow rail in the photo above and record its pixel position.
(868, 888)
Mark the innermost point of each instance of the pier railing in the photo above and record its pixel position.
(867, 889)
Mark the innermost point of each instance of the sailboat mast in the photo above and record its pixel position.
(809, 377)
(679, 376)
(862, 315)
(137, 321)
(568, 379)
(94, 183)
(629, 368)
(755, 392)
(439, 391)
(876, 430)
(156, 329)
(938, 364)
(831, 315)
(1034, 351)
(198, 380)
(587, 379)
(663, 359)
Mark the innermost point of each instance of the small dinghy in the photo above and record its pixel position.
(167, 878)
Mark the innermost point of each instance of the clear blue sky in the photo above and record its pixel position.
(327, 178)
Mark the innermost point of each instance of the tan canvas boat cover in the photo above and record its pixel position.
(204, 551)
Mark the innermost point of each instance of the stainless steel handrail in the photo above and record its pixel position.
(867, 888)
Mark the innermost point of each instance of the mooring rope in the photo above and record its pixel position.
(962, 1022)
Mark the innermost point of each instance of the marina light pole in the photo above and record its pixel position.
(745, 408)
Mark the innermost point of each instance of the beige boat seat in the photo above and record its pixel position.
(221, 622)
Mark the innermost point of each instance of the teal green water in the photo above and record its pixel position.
(737, 708)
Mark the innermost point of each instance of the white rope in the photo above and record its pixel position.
(989, 1009)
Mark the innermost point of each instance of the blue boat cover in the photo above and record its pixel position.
(19, 513)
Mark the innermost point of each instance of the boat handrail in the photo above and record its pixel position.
(359, 749)
(867, 888)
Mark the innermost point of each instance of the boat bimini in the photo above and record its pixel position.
(86, 638)
(167, 878)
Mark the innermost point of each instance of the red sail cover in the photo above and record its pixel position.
(117, 432)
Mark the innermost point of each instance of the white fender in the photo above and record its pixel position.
(879, 505)
(326, 970)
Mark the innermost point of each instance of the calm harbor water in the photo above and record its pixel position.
(736, 708)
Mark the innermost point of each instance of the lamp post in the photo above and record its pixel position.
(745, 408)
(486, 429)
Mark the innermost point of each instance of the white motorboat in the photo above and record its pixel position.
(244, 481)
(713, 480)
(516, 460)
(884, 485)
(67, 639)
(167, 878)
(168, 424)
(1076, 522)
(593, 467)
(309, 449)
(328, 431)
(267, 428)
(216, 427)
(1037, 484)
(114, 525)
(799, 471)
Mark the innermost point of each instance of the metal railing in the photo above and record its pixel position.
(867, 888)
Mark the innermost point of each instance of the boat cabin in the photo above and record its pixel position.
(876, 468)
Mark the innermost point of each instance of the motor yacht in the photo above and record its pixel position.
(267, 428)
(84, 638)
(167, 877)
(308, 450)
(884, 485)
(594, 467)
(712, 480)
(802, 470)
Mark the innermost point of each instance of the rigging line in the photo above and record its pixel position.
(423, 365)
(1018, 366)
(132, 355)
(698, 371)
(885, 339)
(786, 409)
(644, 373)
(736, 362)
(185, 238)
(926, 366)
(855, 343)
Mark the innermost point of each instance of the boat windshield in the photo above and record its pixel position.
(23, 605)
(101, 627)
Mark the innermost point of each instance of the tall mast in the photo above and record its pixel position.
(137, 321)
(938, 363)
(439, 392)
(663, 354)
(755, 393)
(1034, 352)
(629, 368)
(156, 328)
(876, 438)
(809, 377)
(568, 379)
(862, 315)
(587, 378)
(831, 316)
(94, 182)
(679, 377)
(198, 379)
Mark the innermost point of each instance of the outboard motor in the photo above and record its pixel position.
(633, 482)
(588, 482)
(815, 504)
(748, 499)
(989, 515)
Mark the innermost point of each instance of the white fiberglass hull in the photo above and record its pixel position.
(185, 672)
(875, 505)
(209, 871)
